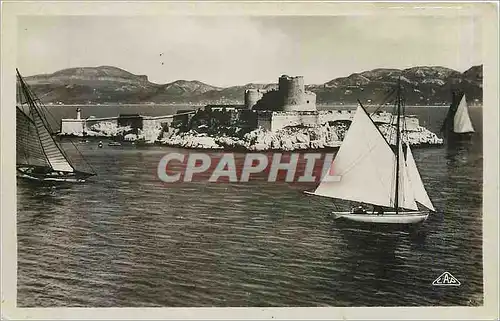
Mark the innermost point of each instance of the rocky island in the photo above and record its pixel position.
(286, 139)
(289, 138)
(284, 119)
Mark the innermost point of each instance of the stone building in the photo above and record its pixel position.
(290, 96)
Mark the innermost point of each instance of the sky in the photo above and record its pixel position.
(236, 50)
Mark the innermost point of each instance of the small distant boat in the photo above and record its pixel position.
(38, 156)
(457, 124)
(114, 144)
(368, 171)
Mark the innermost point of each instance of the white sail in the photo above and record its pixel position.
(461, 121)
(406, 195)
(365, 164)
(419, 191)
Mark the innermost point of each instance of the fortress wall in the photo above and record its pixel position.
(147, 124)
(270, 100)
(246, 118)
(292, 90)
(310, 100)
(281, 120)
(309, 104)
(252, 96)
(134, 121)
(151, 123)
(153, 127)
(264, 119)
(290, 96)
(90, 121)
(335, 115)
(72, 126)
(77, 126)
(412, 123)
(277, 120)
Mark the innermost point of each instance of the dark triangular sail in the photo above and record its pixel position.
(457, 119)
(448, 121)
(35, 137)
(54, 154)
(29, 150)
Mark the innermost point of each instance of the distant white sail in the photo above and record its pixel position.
(406, 195)
(461, 121)
(365, 164)
(419, 191)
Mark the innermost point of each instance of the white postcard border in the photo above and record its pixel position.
(489, 14)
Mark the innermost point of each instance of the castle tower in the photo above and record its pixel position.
(252, 96)
(292, 91)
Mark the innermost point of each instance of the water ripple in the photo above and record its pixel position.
(126, 240)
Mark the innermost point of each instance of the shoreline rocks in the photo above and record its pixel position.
(112, 130)
(294, 138)
(287, 139)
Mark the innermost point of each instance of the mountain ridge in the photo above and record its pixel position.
(424, 85)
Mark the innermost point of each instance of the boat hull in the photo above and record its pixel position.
(52, 179)
(386, 218)
(459, 137)
(70, 177)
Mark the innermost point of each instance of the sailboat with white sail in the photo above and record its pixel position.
(368, 171)
(39, 157)
(457, 123)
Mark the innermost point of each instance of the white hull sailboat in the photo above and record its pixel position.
(38, 156)
(387, 217)
(368, 171)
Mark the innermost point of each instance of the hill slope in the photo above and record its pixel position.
(105, 84)
(422, 85)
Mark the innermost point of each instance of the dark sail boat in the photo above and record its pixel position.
(457, 124)
(369, 171)
(38, 156)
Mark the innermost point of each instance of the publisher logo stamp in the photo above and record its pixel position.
(446, 279)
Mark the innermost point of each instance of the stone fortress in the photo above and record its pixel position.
(291, 96)
(292, 105)
(289, 105)
(288, 108)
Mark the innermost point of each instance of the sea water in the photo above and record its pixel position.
(123, 239)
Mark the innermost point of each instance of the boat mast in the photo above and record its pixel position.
(396, 198)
